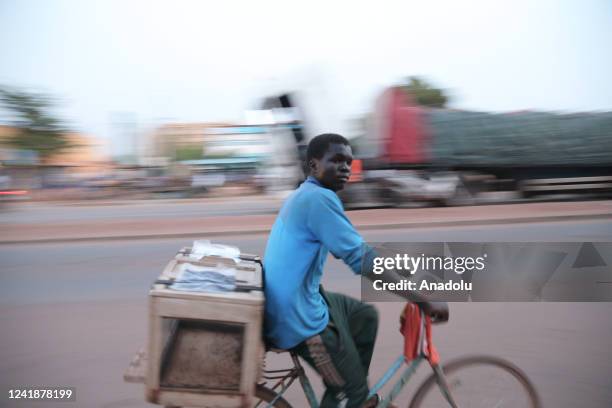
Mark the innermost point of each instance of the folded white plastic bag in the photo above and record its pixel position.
(205, 279)
(204, 247)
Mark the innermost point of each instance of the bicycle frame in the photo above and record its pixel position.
(399, 385)
(286, 377)
(408, 372)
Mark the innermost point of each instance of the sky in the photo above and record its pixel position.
(151, 62)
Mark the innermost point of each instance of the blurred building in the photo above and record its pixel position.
(196, 141)
(85, 158)
(84, 152)
(222, 153)
(174, 140)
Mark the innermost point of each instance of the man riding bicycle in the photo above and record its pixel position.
(332, 332)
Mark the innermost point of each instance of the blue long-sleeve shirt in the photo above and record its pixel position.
(310, 224)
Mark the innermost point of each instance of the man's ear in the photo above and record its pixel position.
(312, 165)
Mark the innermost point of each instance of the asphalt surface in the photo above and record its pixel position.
(174, 219)
(97, 210)
(73, 314)
(92, 271)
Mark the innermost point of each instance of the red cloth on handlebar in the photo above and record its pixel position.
(417, 335)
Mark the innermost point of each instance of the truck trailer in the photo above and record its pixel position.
(410, 153)
(452, 156)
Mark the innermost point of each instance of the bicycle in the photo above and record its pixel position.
(462, 382)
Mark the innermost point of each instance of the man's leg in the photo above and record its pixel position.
(362, 321)
(338, 364)
(343, 351)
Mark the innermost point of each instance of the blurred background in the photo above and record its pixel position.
(129, 129)
(442, 104)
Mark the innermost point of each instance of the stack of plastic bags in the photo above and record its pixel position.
(199, 278)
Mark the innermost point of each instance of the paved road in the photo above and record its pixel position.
(44, 212)
(74, 314)
(185, 219)
(28, 213)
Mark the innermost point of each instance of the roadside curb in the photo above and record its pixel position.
(362, 227)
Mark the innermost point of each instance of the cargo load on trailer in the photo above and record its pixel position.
(528, 151)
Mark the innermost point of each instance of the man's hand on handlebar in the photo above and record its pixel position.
(438, 311)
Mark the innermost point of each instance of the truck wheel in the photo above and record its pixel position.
(462, 196)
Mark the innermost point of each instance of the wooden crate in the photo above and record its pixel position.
(204, 348)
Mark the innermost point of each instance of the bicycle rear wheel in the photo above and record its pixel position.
(264, 395)
(479, 381)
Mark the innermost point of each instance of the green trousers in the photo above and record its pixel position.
(342, 352)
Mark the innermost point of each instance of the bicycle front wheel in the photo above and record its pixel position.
(264, 395)
(479, 381)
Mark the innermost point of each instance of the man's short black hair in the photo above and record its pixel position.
(319, 145)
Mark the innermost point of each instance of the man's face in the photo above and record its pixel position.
(334, 168)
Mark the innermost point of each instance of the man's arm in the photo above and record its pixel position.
(438, 311)
(330, 225)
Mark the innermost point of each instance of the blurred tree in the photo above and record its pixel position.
(188, 153)
(38, 129)
(424, 93)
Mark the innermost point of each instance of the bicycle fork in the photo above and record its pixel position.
(443, 384)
